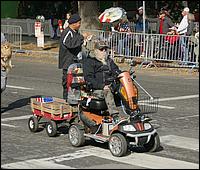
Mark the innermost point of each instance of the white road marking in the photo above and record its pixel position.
(69, 156)
(142, 102)
(145, 160)
(14, 92)
(159, 106)
(180, 142)
(165, 107)
(185, 117)
(136, 159)
(35, 164)
(19, 87)
(3, 124)
(15, 118)
(178, 98)
(5, 113)
(48, 163)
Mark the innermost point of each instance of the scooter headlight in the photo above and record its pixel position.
(129, 128)
(147, 126)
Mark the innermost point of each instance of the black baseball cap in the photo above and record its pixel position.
(74, 19)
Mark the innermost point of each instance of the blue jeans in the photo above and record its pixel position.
(184, 49)
(124, 44)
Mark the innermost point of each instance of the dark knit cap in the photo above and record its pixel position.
(74, 18)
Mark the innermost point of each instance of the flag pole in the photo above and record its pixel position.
(144, 45)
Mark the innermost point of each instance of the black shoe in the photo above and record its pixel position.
(116, 118)
(124, 118)
(95, 129)
(147, 118)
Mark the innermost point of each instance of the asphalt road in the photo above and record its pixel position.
(177, 120)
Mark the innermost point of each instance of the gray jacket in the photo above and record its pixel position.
(167, 23)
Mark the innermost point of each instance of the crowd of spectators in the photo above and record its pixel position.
(173, 34)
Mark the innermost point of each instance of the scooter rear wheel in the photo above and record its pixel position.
(118, 145)
(76, 136)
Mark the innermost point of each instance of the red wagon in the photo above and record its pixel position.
(52, 114)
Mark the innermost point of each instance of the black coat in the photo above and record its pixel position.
(98, 74)
(70, 46)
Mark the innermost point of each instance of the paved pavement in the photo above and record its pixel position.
(177, 119)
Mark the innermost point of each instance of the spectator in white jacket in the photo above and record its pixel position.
(66, 24)
(182, 30)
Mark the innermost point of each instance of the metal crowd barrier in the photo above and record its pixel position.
(151, 47)
(148, 47)
(13, 34)
(27, 25)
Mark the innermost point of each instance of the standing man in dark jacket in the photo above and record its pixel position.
(70, 45)
(139, 21)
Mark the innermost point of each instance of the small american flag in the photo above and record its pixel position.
(44, 99)
(40, 99)
(124, 27)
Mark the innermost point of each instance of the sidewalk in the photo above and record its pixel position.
(29, 45)
(51, 48)
(31, 53)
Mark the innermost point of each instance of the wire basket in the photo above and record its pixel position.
(148, 105)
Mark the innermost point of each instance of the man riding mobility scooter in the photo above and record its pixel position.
(95, 122)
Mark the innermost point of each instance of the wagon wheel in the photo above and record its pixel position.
(33, 124)
(51, 128)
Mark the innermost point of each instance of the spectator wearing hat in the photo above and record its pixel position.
(173, 41)
(70, 45)
(164, 23)
(139, 21)
(182, 30)
(66, 24)
(54, 24)
(98, 70)
(124, 41)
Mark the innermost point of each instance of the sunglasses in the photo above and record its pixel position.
(103, 49)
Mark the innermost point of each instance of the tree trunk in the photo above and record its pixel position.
(74, 5)
(88, 10)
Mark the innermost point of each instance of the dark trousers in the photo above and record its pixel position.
(64, 84)
(3, 80)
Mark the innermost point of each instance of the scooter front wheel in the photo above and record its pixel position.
(154, 143)
(118, 145)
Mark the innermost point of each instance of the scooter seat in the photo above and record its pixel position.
(95, 104)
